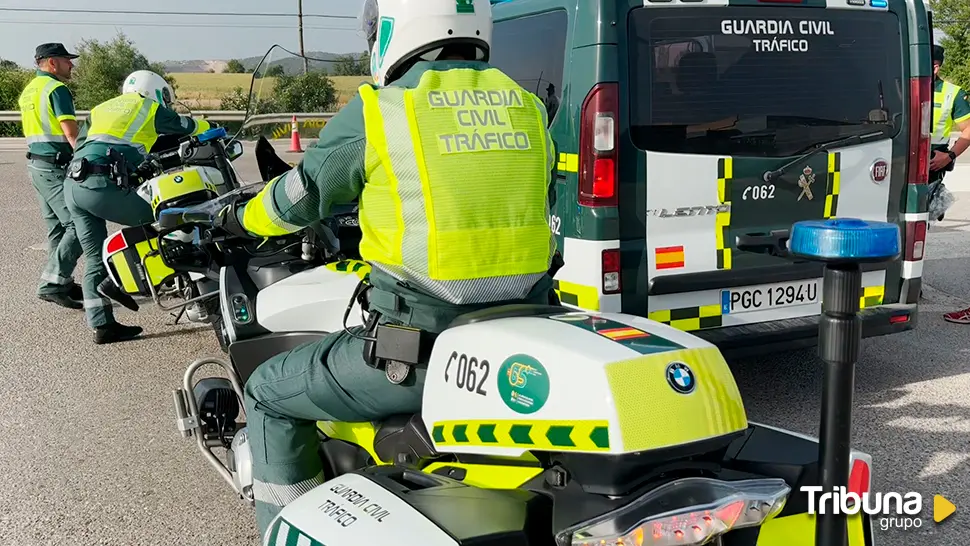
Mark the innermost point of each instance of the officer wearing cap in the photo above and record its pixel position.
(951, 108)
(50, 127)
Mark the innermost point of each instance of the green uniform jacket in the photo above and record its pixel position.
(332, 170)
(167, 122)
(62, 101)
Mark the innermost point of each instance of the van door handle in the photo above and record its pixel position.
(774, 243)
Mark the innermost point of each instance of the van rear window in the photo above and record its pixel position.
(761, 81)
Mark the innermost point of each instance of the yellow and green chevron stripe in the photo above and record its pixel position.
(584, 297)
(568, 163)
(361, 269)
(725, 174)
(689, 318)
(832, 184)
(537, 435)
(871, 296)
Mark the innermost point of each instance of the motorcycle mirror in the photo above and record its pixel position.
(234, 150)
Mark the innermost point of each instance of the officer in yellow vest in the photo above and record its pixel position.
(127, 125)
(50, 127)
(453, 166)
(951, 108)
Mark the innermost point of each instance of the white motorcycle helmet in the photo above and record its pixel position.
(149, 85)
(401, 32)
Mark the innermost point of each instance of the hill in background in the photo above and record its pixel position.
(291, 65)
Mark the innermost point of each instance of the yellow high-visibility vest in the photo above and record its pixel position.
(127, 119)
(458, 172)
(37, 112)
(943, 112)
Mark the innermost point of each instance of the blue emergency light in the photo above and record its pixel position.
(212, 134)
(845, 239)
(878, 3)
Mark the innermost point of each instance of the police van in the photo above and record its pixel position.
(691, 134)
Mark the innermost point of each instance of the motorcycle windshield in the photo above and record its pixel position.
(285, 84)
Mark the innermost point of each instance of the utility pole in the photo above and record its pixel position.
(299, 15)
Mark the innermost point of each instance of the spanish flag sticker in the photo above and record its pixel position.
(669, 257)
(618, 334)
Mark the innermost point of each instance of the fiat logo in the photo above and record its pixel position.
(879, 170)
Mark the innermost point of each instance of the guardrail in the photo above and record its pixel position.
(213, 115)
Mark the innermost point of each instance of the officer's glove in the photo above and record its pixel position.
(228, 221)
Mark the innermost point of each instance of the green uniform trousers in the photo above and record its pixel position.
(328, 380)
(63, 248)
(93, 203)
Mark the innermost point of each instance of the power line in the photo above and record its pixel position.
(176, 25)
(179, 13)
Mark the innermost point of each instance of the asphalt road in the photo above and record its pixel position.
(89, 453)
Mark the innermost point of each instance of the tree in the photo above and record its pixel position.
(953, 18)
(352, 65)
(310, 92)
(102, 68)
(12, 82)
(234, 66)
(274, 72)
(9, 65)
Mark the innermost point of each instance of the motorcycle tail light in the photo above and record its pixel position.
(685, 512)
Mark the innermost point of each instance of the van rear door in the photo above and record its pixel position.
(720, 96)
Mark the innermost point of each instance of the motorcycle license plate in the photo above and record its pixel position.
(770, 296)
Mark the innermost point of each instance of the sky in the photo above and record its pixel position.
(181, 37)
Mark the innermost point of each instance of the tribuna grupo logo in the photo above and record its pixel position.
(889, 509)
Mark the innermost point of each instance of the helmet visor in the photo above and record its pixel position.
(367, 22)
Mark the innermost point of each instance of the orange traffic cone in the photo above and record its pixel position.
(295, 138)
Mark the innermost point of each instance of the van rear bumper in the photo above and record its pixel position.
(799, 333)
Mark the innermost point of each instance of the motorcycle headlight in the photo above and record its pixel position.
(685, 512)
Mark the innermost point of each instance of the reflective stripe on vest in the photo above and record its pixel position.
(456, 198)
(128, 119)
(37, 112)
(943, 112)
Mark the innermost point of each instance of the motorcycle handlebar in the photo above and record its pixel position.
(176, 217)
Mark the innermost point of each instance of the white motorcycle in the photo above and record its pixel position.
(169, 269)
(540, 424)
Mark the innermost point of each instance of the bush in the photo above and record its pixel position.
(102, 68)
(12, 82)
(310, 92)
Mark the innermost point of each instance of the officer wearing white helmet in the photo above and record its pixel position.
(452, 164)
(119, 132)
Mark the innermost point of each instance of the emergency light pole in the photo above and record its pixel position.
(842, 245)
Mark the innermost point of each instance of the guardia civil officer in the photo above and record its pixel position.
(50, 128)
(128, 125)
(951, 109)
(454, 219)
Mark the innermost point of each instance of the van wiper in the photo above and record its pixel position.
(824, 147)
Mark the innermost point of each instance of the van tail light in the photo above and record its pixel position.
(611, 271)
(921, 116)
(599, 136)
(116, 243)
(684, 512)
(860, 476)
(915, 240)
